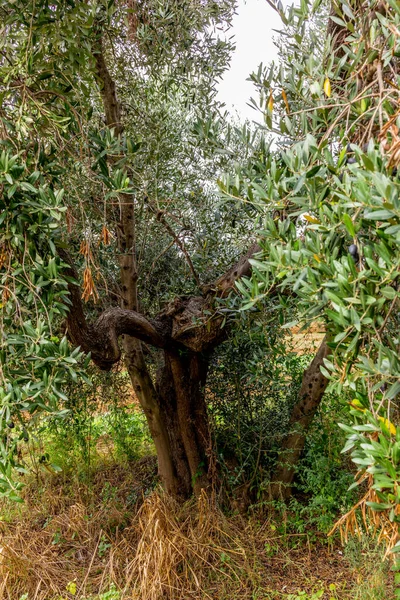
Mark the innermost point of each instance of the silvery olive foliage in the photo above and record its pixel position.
(328, 194)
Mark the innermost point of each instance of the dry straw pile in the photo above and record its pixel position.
(166, 551)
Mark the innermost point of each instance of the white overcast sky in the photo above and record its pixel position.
(252, 31)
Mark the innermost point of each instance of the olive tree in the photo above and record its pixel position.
(329, 196)
(98, 101)
(109, 220)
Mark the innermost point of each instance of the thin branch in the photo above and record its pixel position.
(272, 5)
(160, 216)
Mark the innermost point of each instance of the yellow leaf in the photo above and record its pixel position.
(71, 588)
(270, 105)
(285, 100)
(311, 219)
(357, 405)
(317, 258)
(327, 87)
(389, 425)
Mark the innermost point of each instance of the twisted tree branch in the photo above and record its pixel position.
(184, 322)
(101, 337)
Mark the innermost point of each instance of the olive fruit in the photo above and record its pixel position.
(10, 424)
(353, 251)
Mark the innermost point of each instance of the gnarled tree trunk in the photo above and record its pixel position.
(174, 404)
(180, 385)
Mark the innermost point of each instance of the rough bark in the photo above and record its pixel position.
(189, 373)
(180, 385)
(101, 337)
(226, 283)
(154, 332)
(312, 389)
(112, 107)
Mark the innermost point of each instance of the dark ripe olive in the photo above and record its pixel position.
(353, 251)
(341, 177)
(10, 424)
(351, 160)
(26, 438)
(43, 459)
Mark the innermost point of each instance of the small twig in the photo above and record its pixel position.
(382, 327)
(160, 216)
(381, 89)
(158, 258)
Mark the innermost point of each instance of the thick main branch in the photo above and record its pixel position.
(101, 337)
(188, 321)
(312, 389)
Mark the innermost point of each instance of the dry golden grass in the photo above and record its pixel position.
(67, 533)
(161, 550)
(376, 523)
(181, 548)
(151, 548)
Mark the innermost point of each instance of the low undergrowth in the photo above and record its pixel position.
(95, 524)
(118, 537)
